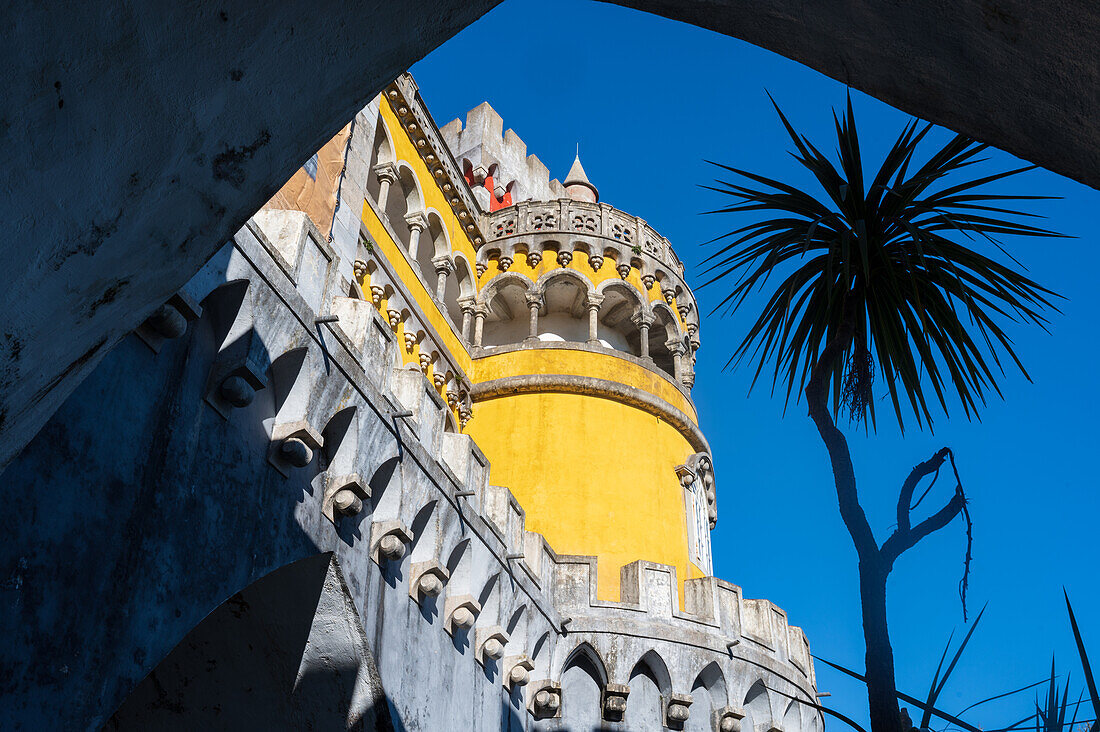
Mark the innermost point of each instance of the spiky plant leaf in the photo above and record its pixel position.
(894, 256)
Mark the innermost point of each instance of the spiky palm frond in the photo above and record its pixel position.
(894, 258)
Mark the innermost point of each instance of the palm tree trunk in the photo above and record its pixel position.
(882, 698)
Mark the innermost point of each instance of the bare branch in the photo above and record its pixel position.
(905, 498)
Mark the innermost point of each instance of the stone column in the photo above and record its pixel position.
(534, 302)
(467, 304)
(594, 302)
(480, 311)
(387, 176)
(643, 320)
(417, 222)
(677, 348)
(443, 268)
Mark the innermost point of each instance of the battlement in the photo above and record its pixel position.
(458, 534)
(486, 149)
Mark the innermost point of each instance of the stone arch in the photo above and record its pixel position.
(405, 198)
(381, 154)
(506, 313)
(288, 646)
(757, 708)
(564, 312)
(620, 310)
(341, 441)
(664, 331)
(583, 680)
(650, 686)
(437, 235)
(424, 529)
(709, 693)
(792, 717)
(385, 489)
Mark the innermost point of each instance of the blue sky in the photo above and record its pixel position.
(648, 100)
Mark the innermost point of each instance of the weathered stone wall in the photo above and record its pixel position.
(236, 435)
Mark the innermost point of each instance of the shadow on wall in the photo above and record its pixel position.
(287, 652)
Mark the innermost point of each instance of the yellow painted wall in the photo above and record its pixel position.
(594, 477)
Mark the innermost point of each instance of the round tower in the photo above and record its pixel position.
(584, 340)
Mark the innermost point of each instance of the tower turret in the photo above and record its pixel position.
(577, 185)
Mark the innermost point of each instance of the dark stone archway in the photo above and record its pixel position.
(138, 138)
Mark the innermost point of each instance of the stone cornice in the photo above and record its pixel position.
(404, 98)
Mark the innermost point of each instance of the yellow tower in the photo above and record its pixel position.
(558, 328)
(583, 347)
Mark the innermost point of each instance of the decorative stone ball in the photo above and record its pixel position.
(237, 391)
(462, 618)
(548, 701)
(730, 723)
(615, 704)
(493, 649)
(678, 712)
(168, 321)
(391, 547)
(430, 585)
(346, 502)
(296, 452)
(519, 675)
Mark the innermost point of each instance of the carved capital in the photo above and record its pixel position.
(386, 172)
(642, 317)
(416, 220)
(443, 264)
(594, 301)
(614, 702)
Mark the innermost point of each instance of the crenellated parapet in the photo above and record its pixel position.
(454, 544)
(486, 151)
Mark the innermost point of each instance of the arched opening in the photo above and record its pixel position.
(507, 320)
(582, 684)
(459, 285)
(381, 152)
(792, 718)
(404, 198)
(617, 326)
(650, 685)
(757, 707)
(661, 334)
(289, 646)
(564, 313)
(708, 694)
(433, 243)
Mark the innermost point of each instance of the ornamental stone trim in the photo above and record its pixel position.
(591, 386)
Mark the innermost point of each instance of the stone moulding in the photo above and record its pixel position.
(479, 352)
(591, 386)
